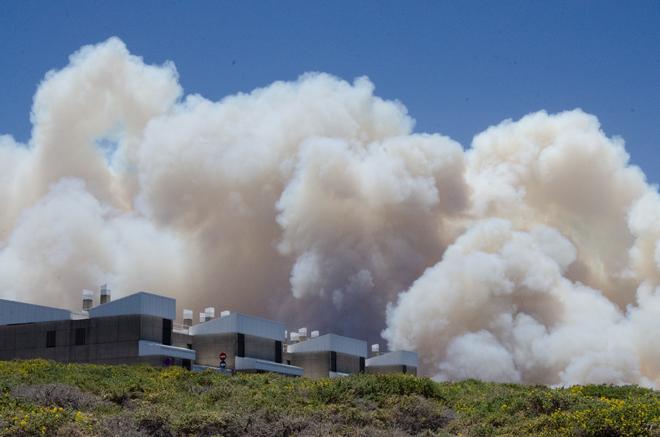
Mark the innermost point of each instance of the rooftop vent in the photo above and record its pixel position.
(105, 294)
(187, 317)
(87, 299)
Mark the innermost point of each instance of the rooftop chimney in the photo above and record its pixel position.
(87, 299)
(187, 318)
(105, 294)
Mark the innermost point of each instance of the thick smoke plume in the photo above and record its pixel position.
(532, 257)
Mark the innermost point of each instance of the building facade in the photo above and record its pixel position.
(140, 328)
(248, 344)
(393, 362)
(328, 355)
(135, 329)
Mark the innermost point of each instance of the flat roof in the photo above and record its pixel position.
(13, 312)
(241, 324)
(246, 363)
(142, 302)
(151, 348)
(394, 358)
(331, 343)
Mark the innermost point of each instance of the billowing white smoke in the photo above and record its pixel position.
(555, 279)
(533, 257)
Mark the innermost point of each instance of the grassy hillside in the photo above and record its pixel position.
(45, 398)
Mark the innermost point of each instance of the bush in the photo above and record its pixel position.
(58, 395)
(415, 414)
(120, 425)
(613, 417)
(545, 401)
(39, 397)
(35, 421)
(154, 421)
(374, 387)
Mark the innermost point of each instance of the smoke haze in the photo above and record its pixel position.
(534, 256)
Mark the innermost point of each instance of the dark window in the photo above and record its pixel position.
(189, 345)
(80, 336)
(50, 338)
(405, 369)
(278, 351)
(240, 345)
(288, 362)
(333, 361)
(167, 332)
(362, 364)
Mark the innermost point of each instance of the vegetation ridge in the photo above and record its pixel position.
(46, 398)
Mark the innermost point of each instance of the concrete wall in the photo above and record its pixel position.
(107, 339)
(208, 347)
(259, 347)
(153, 360)
(348, 363)
(319, 364)
(314, 364)
(182, 340)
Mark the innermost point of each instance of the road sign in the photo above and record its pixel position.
(222, 356)
(223, 364)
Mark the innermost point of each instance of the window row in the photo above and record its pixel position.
(80, 337)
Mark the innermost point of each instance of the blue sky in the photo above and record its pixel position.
(458, 66)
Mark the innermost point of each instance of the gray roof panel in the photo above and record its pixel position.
(331, 342)
(395, 358)
(242, 324)
(12, 312)
(143, 303)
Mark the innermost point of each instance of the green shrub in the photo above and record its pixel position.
(58, 395)
(39, 397)
(618, 417)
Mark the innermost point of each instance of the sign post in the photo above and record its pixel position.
(223, 357)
